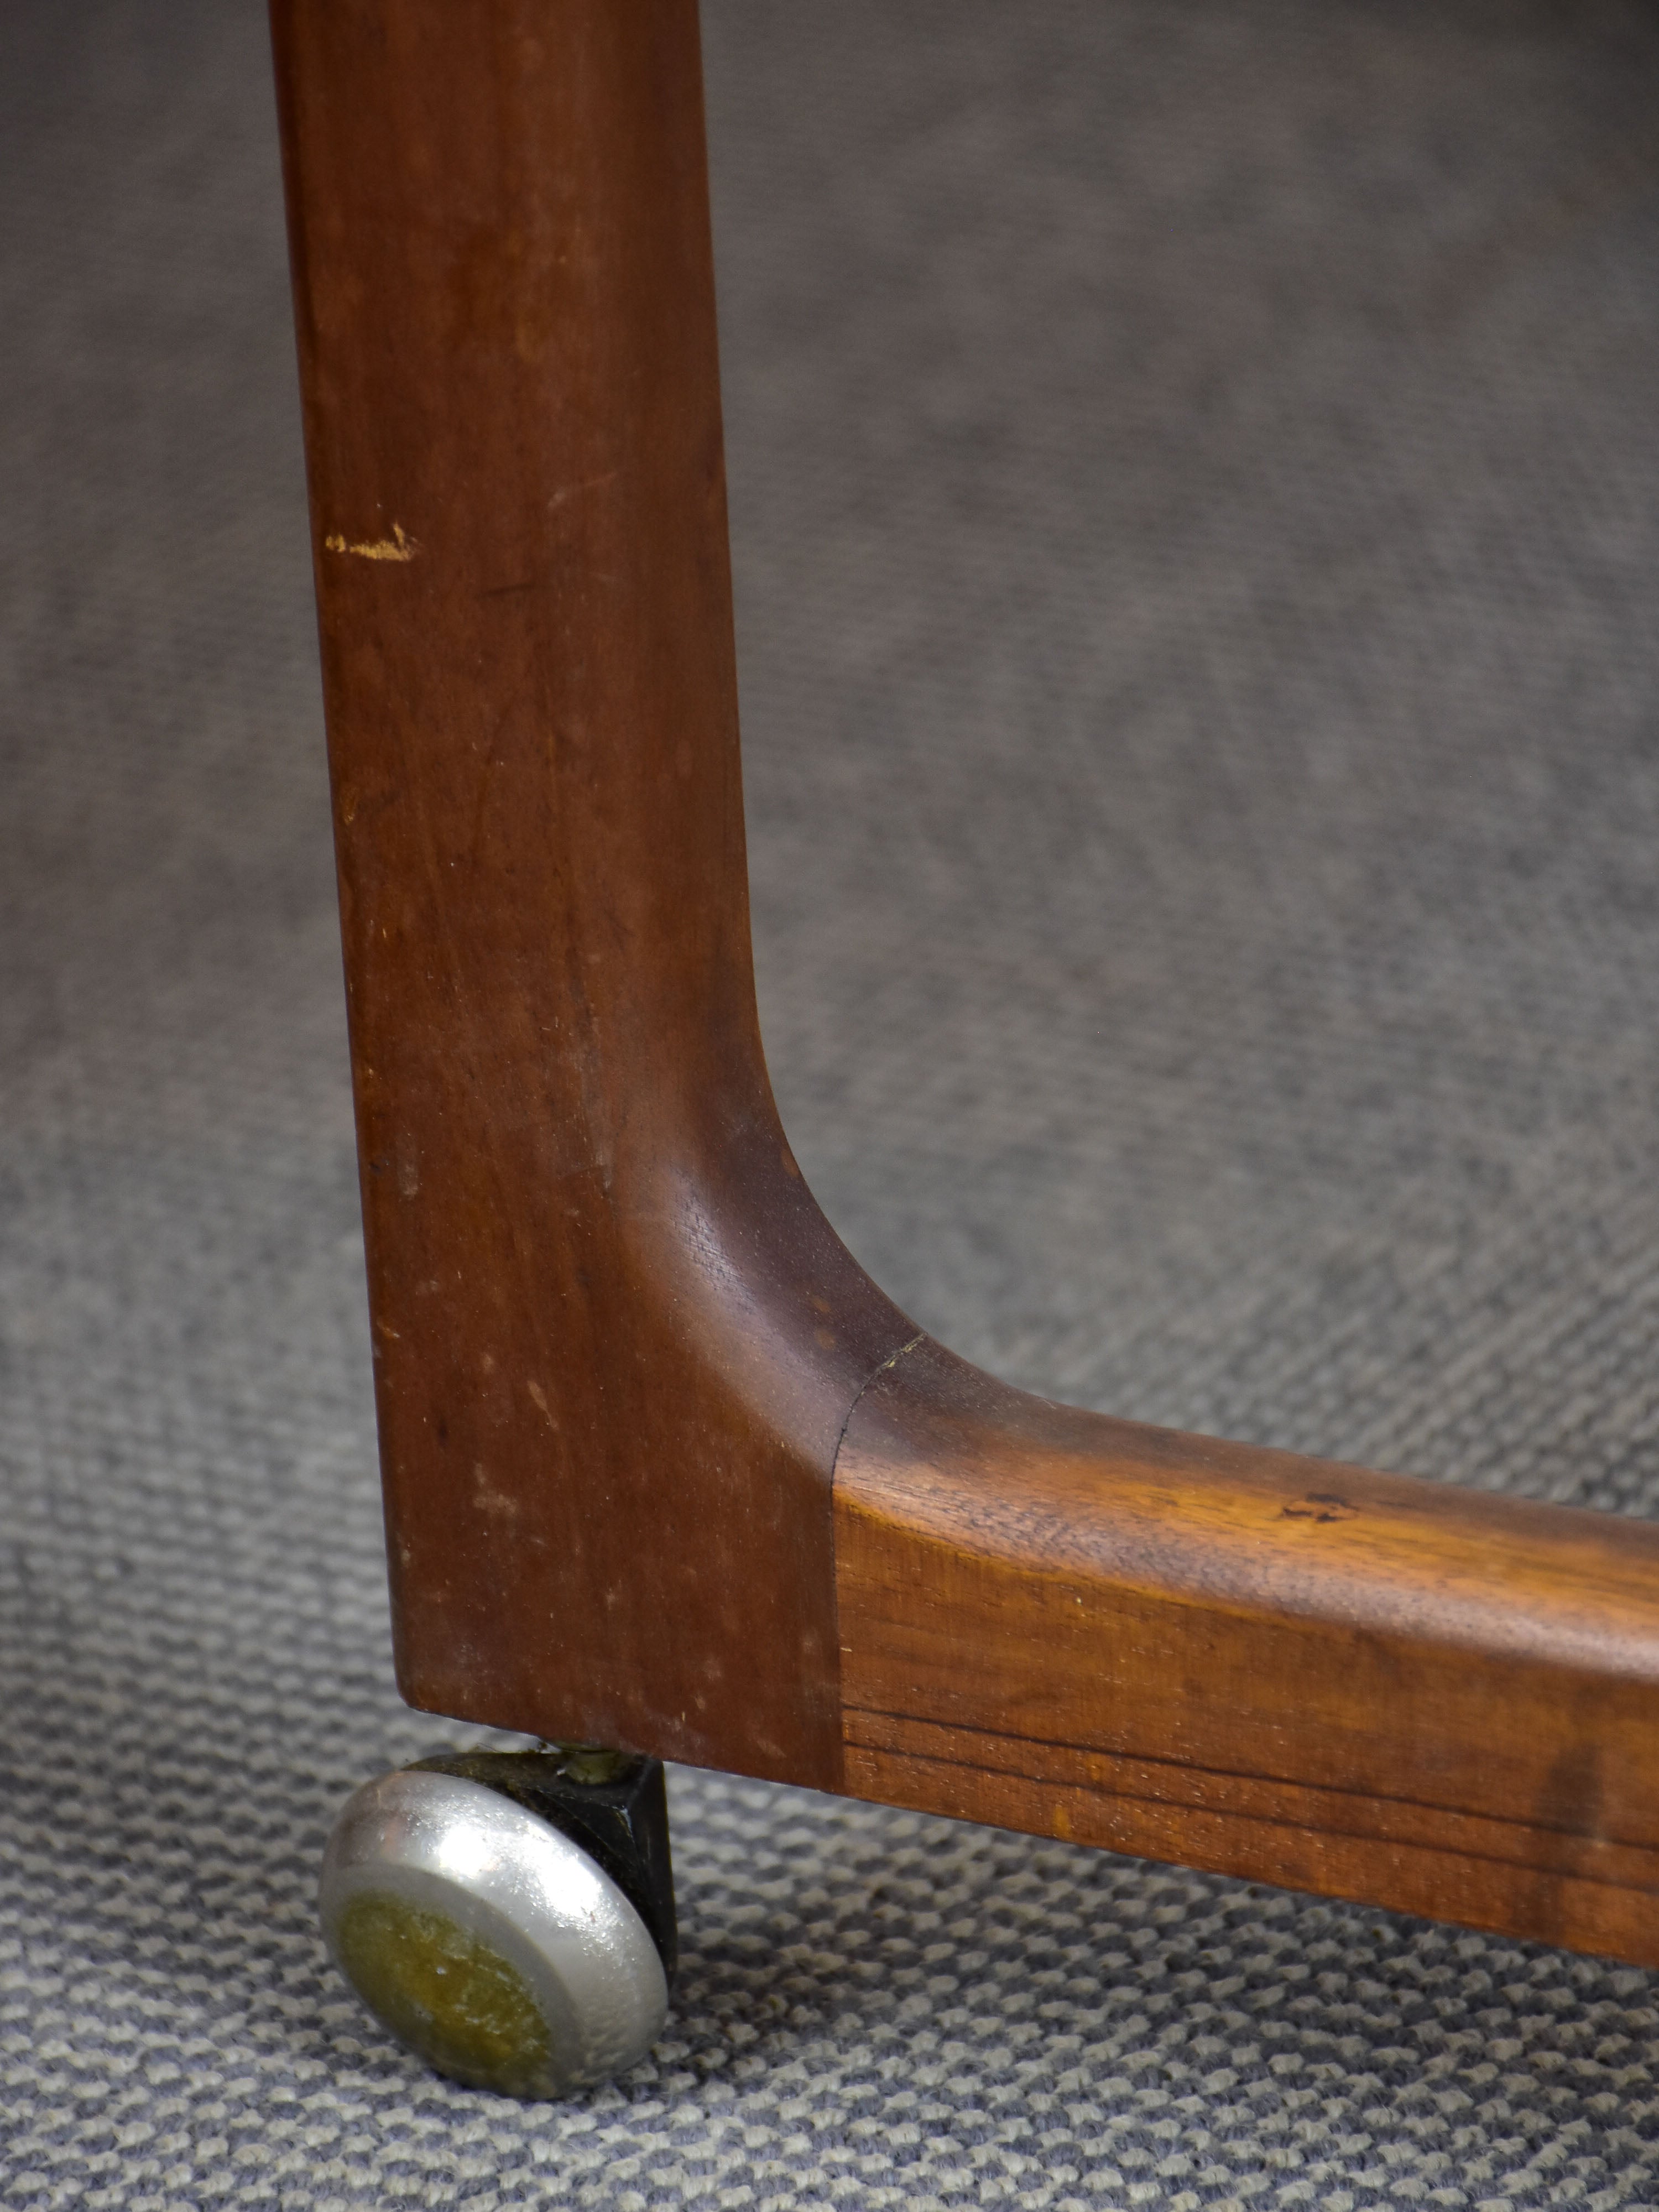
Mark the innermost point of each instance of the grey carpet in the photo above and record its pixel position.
(1196, 499)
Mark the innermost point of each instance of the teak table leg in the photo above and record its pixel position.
(662, 1468)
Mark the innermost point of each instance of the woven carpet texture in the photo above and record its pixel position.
(1195, 498)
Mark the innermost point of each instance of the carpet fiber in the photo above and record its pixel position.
(1195, 493)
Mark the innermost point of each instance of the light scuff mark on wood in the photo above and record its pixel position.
(398, 547)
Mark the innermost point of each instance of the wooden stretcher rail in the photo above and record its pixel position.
(663, 1468)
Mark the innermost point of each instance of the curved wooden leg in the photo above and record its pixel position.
(663, 1468)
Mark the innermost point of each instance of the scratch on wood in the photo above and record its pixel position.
(1318, 1505)
(398, 547)
(588, 483)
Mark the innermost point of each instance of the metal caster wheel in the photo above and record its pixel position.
(509, 1916)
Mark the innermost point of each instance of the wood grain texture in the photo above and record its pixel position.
(662, 1468)
(1357, 1684)
(615, 1341)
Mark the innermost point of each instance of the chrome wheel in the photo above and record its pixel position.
(487, 1940)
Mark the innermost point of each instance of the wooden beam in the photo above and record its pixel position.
(614, 1341)
(1360, 1684)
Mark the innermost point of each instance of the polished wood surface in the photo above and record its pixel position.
(663, 1468)
(614, 1341)
(1307, 1674)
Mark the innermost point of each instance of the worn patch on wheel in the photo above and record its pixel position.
(442, 1990)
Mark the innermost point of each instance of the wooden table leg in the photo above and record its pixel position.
(663, 1468)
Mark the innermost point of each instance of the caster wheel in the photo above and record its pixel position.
(509, 1916)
